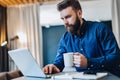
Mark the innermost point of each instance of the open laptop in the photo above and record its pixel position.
(30, 69)
(26, 63)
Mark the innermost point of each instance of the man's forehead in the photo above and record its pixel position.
(66, 11)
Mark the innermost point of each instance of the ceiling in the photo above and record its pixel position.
(6, 3)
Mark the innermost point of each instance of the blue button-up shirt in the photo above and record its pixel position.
(96, 42)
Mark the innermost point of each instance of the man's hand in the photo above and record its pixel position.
(80, 60)
(50, 68)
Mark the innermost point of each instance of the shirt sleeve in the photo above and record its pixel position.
(109, 47)
(59, 62)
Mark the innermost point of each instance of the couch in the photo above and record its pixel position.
(10, 75)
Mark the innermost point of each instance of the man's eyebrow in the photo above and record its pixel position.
(66, 16)
(61, 18)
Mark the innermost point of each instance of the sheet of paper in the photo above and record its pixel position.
(79, 75)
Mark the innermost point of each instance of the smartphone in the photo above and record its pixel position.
(90, 72)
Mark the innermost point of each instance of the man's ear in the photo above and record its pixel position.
(79, 13)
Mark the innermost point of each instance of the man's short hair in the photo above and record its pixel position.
(67, 3)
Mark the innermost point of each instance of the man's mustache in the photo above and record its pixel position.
(68, 25)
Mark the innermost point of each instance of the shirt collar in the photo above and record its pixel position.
(83, 28)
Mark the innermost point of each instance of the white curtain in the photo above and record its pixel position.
(116, 19)
(23, 20)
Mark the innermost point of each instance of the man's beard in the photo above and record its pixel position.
(73, 28)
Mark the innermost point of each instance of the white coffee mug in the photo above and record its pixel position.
(68, 59)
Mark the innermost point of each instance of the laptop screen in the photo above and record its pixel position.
(26, 63)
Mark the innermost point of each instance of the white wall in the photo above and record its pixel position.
(97, 10)
(119, 23)
(92, 10)
(116, 19)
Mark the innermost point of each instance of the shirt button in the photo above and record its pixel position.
(119, 65)
(102, 66)
(91, 65)
(107, 38)
(81, 49)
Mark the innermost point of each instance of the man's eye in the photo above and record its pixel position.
(61, 18)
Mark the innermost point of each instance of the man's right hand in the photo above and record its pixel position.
(50, 68)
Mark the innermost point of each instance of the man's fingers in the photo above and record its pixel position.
(50, 69)
(77, 65)
(80, 60)
(56, 69)
(77, 53)
(76, 57)
(45, 69)
(76, 61)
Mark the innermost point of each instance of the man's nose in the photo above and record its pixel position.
(65, 21)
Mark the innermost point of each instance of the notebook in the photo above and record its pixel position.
(26, 63)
